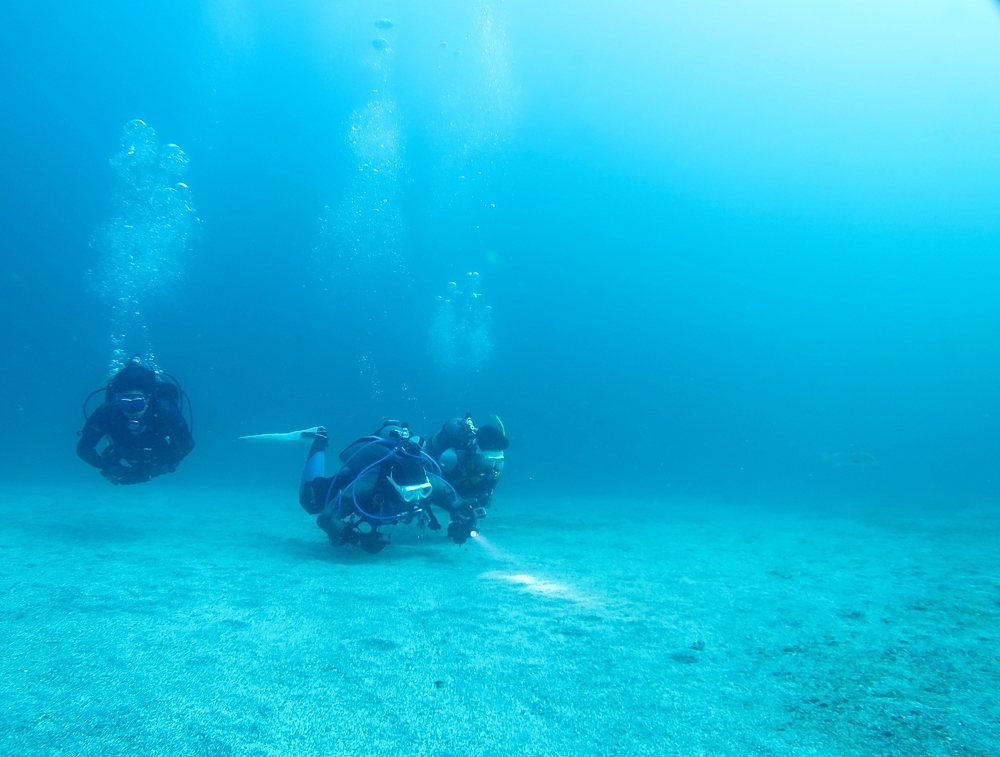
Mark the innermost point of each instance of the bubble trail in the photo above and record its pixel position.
(360, 235)
(144, 245)
(461, 338)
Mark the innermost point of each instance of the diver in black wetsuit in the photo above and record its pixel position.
(141, 422)
(385, 479)
(471, 460)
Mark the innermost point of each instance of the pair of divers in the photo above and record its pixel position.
(138, 432)
(392, 477)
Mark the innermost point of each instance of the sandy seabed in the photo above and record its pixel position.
(160, 621)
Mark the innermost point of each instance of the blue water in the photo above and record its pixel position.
(720, 247)
(724, 242)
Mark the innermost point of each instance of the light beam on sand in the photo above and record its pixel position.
(527, 582)
(541, 587)
(492, 549)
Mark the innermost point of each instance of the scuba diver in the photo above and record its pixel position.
(470, 460)
(140, 423)
(384, 479)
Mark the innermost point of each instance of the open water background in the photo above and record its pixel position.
(718, 242)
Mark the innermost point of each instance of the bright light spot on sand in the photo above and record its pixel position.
(541, 586)
(522, 578)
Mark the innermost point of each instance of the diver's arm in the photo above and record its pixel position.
(442, 494)
(439, 497)
(179, 439)
(186, 441)
(432, 522)
(90, 437)
(173, 442)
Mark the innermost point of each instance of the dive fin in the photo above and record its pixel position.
(291, 436)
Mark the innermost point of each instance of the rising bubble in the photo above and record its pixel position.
(461, 339)
(143, 246)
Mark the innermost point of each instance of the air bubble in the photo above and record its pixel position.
(361, 235)
(461, 339)
(144, 245)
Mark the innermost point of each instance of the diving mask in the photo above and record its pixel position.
(412, 492)
(494, 458)
(132, 404)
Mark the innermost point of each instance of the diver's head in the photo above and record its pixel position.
(491, 438)
(394, 430)
(409, 479)
(131, 389)
(135, 376)
(492, 441)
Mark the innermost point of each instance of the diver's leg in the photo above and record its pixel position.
(317, 451)
(314, 462)
(312, 486)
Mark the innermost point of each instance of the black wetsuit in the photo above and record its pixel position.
(473, 478)
(162, 441)
(473, 475)
(376, 498)
(362, 494)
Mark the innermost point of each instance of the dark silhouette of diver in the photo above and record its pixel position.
(384, 479)
(140, 424)
(470, 460)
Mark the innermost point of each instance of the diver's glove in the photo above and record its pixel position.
(460, 530)
(119, 474)
(432, 522)
(114, 472)
(159, 470)
(136, 476)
